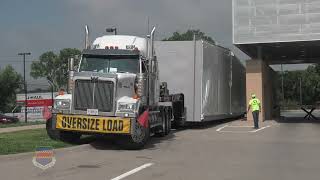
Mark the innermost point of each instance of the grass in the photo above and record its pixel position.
(21, 124)
(27, 141)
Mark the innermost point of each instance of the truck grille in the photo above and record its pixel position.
(102, 91)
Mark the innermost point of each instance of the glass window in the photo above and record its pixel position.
(110, 64)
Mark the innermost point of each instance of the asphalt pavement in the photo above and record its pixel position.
(225, 150)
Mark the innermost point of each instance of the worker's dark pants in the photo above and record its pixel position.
(255, 115)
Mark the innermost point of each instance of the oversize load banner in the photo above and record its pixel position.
(93, 124)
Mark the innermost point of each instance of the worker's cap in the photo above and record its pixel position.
(253, 95)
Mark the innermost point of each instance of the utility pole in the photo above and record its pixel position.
(25, 84)
(51, 84)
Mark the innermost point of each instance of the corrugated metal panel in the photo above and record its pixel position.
(176, 66)
(206, 90)
(262, 21)
(238, 98)
(216, 75)
(223, 83)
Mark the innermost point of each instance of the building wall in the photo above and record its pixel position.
(259, 81)
(262, 21)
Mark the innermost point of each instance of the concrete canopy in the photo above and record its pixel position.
(278, 31)
(284, 52)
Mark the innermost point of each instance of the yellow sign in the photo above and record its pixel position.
(93, 124)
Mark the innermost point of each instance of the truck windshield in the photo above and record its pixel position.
(110, 64)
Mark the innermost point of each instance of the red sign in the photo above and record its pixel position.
(38, 102)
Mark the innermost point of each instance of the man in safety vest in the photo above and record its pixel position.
(255, 106)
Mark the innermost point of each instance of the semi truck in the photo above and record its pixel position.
(122, 89)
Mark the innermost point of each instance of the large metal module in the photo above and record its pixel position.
(211, 78)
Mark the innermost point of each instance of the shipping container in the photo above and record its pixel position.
(211, 78)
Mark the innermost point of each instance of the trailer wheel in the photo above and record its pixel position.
(52, 133)
(70, 137)
(137, 140)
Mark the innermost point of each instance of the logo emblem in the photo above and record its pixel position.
(44, 158)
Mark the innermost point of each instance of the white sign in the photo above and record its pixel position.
(36, 96)
(92, 112)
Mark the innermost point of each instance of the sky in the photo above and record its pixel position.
(38, 26)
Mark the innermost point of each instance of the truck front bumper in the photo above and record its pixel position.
(92, 124)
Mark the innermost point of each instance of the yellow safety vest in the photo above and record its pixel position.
(255, 104)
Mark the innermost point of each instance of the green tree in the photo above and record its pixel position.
(292, 85)
(188, 36)
(311, 84)
(310, 79)
(10, 82)
(54, 67)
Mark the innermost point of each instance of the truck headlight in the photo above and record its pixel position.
(62, 104)
(126, 107)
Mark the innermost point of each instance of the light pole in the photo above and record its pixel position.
(25, 84)
(52, 86)
(112, 30)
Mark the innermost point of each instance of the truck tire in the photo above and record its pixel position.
(70, 137)
(52, 133)
(137, 139)
(164, 118)
(169, 117)
(179, 119)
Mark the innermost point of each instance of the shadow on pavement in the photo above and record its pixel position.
(105, 143)
(87, 139)
(284, 119)
(109, 142)
(209, 124)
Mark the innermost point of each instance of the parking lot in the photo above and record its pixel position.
(220, 150)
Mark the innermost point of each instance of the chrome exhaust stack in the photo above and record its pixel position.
(152, 42)
(87, 41)
(70, 75)
(151, 57)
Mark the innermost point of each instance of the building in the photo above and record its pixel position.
(275, 32)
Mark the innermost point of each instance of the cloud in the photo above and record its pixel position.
(211, 16)
(58, 24)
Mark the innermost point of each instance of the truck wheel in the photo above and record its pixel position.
(138, 138)
(70, 137)
(52, 133)
(169, 117)
(179, 119)
(164, 118)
